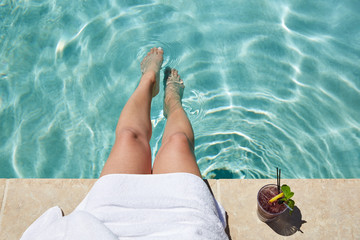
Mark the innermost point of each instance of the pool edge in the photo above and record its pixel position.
(321, 204)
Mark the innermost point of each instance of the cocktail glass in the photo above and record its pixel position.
(268, 212)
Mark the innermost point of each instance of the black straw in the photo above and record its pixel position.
(279, 180)
(278, 172)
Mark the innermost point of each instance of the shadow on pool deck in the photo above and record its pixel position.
(287, 224)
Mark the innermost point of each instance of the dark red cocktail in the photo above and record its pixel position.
(268, 212)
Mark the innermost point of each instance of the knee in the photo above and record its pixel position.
(180, 140)
(129, 135)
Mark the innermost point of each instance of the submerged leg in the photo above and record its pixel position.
(131, 151)
(176, 153)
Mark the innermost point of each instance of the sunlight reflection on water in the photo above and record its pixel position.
(276, 86)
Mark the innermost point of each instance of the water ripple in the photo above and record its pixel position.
(271, 87)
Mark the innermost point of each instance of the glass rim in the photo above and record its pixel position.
(259, 205)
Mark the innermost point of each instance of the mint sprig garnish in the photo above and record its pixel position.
(288, 194)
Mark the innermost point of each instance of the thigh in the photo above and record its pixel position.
(130, 154)
(176, 155)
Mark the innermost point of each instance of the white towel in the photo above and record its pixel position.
(128, 206)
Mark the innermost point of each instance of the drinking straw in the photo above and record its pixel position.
(277, 180)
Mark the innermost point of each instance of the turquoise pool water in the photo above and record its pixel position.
(268, 83)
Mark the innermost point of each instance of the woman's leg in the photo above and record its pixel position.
(176, 153)
(131, 151)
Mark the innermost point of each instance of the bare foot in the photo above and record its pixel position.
(174, 88)
(152, 63)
